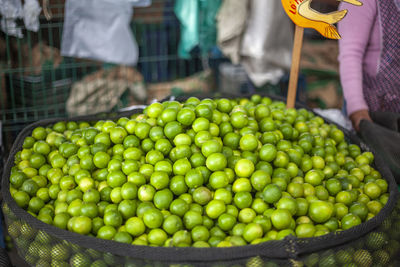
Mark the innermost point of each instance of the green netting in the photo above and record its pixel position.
(33, 92)
(36, 91)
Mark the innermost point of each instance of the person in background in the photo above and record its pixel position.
(369, 57)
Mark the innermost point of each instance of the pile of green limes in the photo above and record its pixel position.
(201, 173)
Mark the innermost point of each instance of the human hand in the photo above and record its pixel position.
(357, 116)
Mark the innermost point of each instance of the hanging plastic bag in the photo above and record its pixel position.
(207, 25)
(187, 12)
(10, 10)
(100, 30)
(231, 22)
(198, 20)
(267, 42)
(31, 13)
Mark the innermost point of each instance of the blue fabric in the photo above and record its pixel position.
(2, 243)
(344, 108)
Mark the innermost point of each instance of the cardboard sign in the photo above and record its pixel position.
(301, 13)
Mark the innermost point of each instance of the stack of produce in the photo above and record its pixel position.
(203, 173)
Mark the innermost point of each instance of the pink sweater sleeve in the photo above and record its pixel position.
(355, 30)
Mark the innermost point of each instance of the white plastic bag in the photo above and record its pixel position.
(267, 42)
(31, 13)
(10, 10)
(99, 30)
(336, 116)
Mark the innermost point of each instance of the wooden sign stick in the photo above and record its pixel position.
(294, 69)
(301, 13)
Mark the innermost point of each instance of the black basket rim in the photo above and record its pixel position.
(289, 247)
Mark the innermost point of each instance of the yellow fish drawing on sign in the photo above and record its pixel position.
(301, 13)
